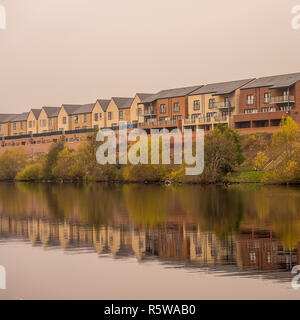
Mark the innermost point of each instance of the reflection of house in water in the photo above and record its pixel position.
(206, 248)
(258, 249)
(139, 243)
(168, 242)
(100, 239)
(255, 249)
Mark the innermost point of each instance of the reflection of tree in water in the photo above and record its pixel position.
(147, 205)
(213, 208)
(216, 208)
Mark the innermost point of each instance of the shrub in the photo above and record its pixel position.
(30, 173)
(260, 161)
(12, 161)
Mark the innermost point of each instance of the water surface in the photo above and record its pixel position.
(101, 241)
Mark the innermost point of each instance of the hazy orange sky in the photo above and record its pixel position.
(75, 51)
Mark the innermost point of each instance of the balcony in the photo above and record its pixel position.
(205, 120)
(222, 105)
(161, 124)
(149, 113)
(282, 99)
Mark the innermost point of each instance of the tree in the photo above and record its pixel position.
(286, 140)
(261, 160)
(50, 160)
(63, 169)
(11, 162)
(223, 152)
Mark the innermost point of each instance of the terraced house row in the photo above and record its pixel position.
(248, 105)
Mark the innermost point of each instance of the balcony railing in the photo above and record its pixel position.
(223, 105)
(149, 113)
(282, 99)
(164, 123)
(194, 121)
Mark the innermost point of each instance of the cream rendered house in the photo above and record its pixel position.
(47, 120)
(213, 104)
(32, 121)
(5, 124)
(65, 115)
(99, 113)
(136, 109)
(118, 111)
(18, 124)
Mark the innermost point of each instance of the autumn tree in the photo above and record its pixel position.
(12, 161)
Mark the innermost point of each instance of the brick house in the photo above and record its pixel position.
(213, 104)
(265, 101)
(167, 108)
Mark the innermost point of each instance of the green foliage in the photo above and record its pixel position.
(223, 153)
(63, 169)
(30, 173)
(261, 160)
(50, 160)
(245, 177)
(11, 162)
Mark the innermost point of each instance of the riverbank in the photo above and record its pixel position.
(228, 158)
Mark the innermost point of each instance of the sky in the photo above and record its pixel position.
(76, 51)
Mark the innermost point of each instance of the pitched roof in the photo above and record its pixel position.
(5, 117)
(221, 87)
(52, 111)
(171, 93)
(275, 82)
(70, 108)
(36, 112)
(103, 103)
(20, 117)
(143, 96)
(86, 108)
(123, 103)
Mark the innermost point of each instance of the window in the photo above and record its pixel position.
(84, 118)
(121, 115)
(250, 99)
(252, 257)
(33, 123)
(177, 117)
(247, 111)
(227, 102)
(139, 112)
(164, 118)
(15, 126)
(44, 123)
(225, 113)
(0, 127)
(268, 109)
(267, 97)
(109, 115)
(76, 119)
(211, 114)
(198, 251)
(22, 125)
(96, 117)
(211, 103)
(30, 124)
(176, 107)
(50, 122)
(196, 105)
(64, 120)
(100, 116)
(162, 108)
